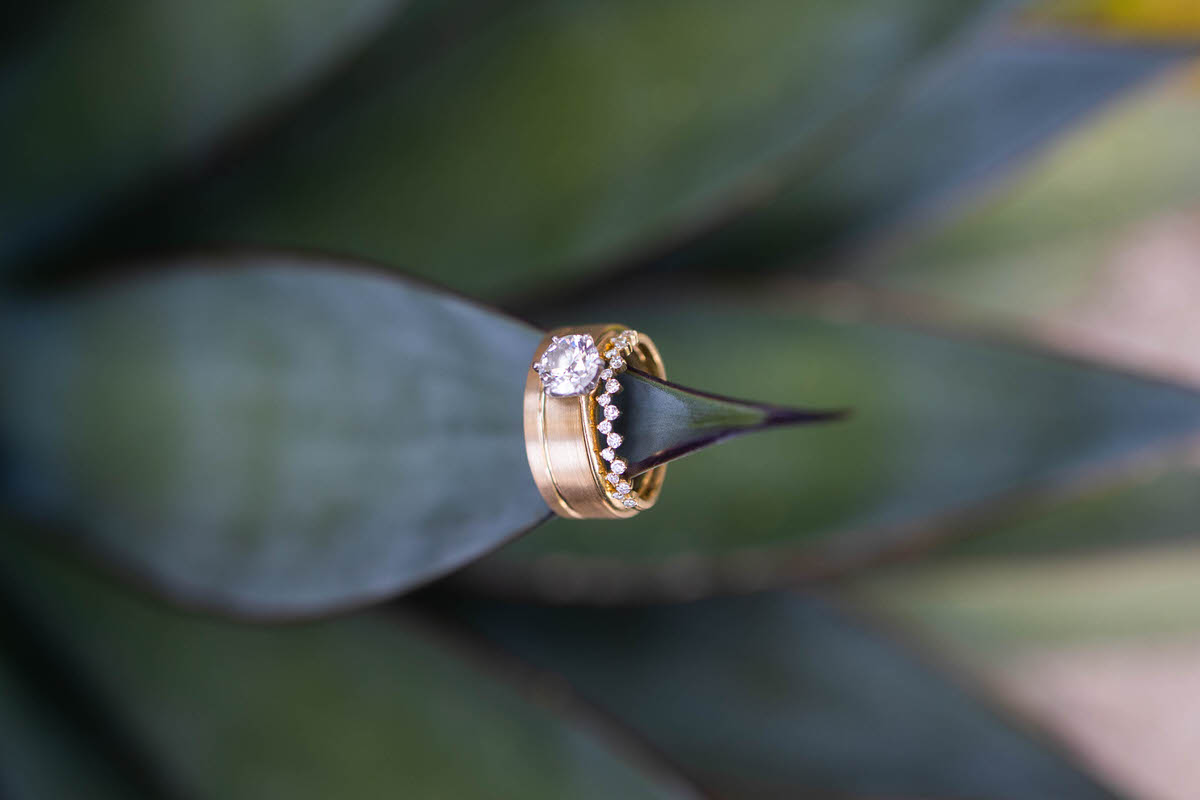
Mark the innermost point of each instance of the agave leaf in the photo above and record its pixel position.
(44, 753)
(104, 93)
(366, 706)
(561, 136)
(995, 609)
(944, 424)
(782, 695)
(1042, 246)
(954, 129)
(665, 421)
(275, 435)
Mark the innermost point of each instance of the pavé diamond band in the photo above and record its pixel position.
(573, 422)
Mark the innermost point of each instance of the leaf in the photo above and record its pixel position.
(268, 433)
(366, 706)
(1042, 247)
(947, 132)
(102, 95)
(43, 755)
(996, 609)
(561, 136)
(944, 426)
(781, 695)
(278, 435)
(664, 421)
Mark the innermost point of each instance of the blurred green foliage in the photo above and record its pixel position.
(813, 204)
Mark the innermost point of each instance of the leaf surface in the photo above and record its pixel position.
(365, 706)
(782, 695)
(101, 96)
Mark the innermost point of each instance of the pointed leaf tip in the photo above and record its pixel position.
(668, 421)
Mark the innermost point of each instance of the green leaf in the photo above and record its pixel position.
(944, 134)
(781, 695)
(1042, 246)
(368, 706)
(562, 136)
(990, 611)
(43, 753)
(277, 435)
(269, 433)
(943, 425)
(663, 421)
(100, 96)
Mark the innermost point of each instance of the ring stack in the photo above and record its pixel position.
(571, 416)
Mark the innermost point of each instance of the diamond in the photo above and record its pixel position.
(605, 374)
(614, 439)
(608, 454)
(614, 478)
(617, 466)
(605, 426)
(570, 366)
(630, 502)
(612, 386)
(611, 412)
(616, 363)
(604, 399)
(624, 487)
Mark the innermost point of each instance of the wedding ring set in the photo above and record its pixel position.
(574, 422)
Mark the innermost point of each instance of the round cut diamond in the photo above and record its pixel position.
(618, 466)
(614, 439)
(611, 412)
(630, 502)
(614, 478)
(624, 488)
(570, 366)
(612, 387)
(604, 399)
(608, 454)
(606, 374)
(616, 363)
(604, 426)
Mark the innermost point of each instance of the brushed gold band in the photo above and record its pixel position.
(561, 440)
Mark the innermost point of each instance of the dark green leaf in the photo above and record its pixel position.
(941, 427)
(43, 754)
(779, 695)
(269, 433)
(944, 133)
(663, 422)
(564, 135)
(364, 707)
(108, 91)
(279, 435)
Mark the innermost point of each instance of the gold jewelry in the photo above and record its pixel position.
(570, 436)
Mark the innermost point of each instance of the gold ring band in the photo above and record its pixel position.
(572, 419)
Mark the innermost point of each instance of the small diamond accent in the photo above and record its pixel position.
(614, 439)
(604, 399)
(611, 412)
(608, 454)
(606, 374)
(612, 387)
(614, 478)
(630, 502)
(624, 487)
(617, 466)
(604, 426)
(616, 363)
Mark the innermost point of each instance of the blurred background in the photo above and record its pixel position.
(239, 423)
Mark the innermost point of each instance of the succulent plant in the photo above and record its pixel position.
(272, 277)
